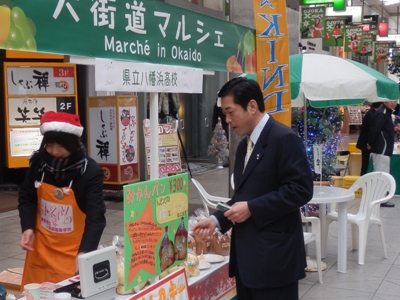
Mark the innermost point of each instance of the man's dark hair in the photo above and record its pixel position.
(376, 104)
(243, 90)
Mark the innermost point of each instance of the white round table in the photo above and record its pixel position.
(328, 195)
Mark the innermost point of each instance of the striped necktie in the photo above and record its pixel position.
(248, 152)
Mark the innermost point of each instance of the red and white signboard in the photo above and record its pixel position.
(174, 286)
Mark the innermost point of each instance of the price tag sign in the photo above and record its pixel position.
(355, 117)
(317, 158)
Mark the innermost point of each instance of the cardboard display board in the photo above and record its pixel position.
(155, 231)
(168, 148)
(31, 89)
(113, 138)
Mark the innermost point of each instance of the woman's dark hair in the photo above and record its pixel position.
(243, 90)
(69, 141)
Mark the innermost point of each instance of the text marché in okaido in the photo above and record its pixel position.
(146, 31)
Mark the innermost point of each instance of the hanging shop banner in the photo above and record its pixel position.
(169, 160)
(146, 31)
(113, 139)
(353, 39)
(31, 89)
(334, 32)
(312, 20)
(381, 51)
(123, 76)
(174, 286)
(155, 231)
(367, 42)
(272, 65)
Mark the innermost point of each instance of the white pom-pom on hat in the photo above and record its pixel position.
(60, 122)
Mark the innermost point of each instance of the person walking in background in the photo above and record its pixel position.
(381, 139)
(61, 203)
(272, 180)
(363, 137)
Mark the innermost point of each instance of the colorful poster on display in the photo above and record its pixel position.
(113, 140)
(367, 44)
(146, 31)
(169, 161)
(272, 65)
(155, 231)
(312, 20)
(381, 51)
(334, 32)
(353, 39)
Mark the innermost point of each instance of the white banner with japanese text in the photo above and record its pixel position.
(111, 75)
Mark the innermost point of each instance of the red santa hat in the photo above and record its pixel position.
(61, 122)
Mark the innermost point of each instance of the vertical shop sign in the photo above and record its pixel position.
(272, 44)
(31, 89)
(155, 231)
(113, 141)
(334, 32)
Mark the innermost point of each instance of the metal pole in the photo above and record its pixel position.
(154, 136)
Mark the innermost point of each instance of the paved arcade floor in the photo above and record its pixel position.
(379, 278)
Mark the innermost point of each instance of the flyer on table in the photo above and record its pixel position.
(156, 227)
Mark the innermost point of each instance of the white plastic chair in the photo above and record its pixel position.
(377, 188)
(314, 235)
(208, 200)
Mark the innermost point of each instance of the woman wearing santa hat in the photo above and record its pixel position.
(60, 202)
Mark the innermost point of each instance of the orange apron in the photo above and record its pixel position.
(59, 228)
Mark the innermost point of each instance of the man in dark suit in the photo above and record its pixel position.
(363, 137)
(267, 246)
(380, 140)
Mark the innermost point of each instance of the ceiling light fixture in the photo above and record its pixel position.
(391, 2)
